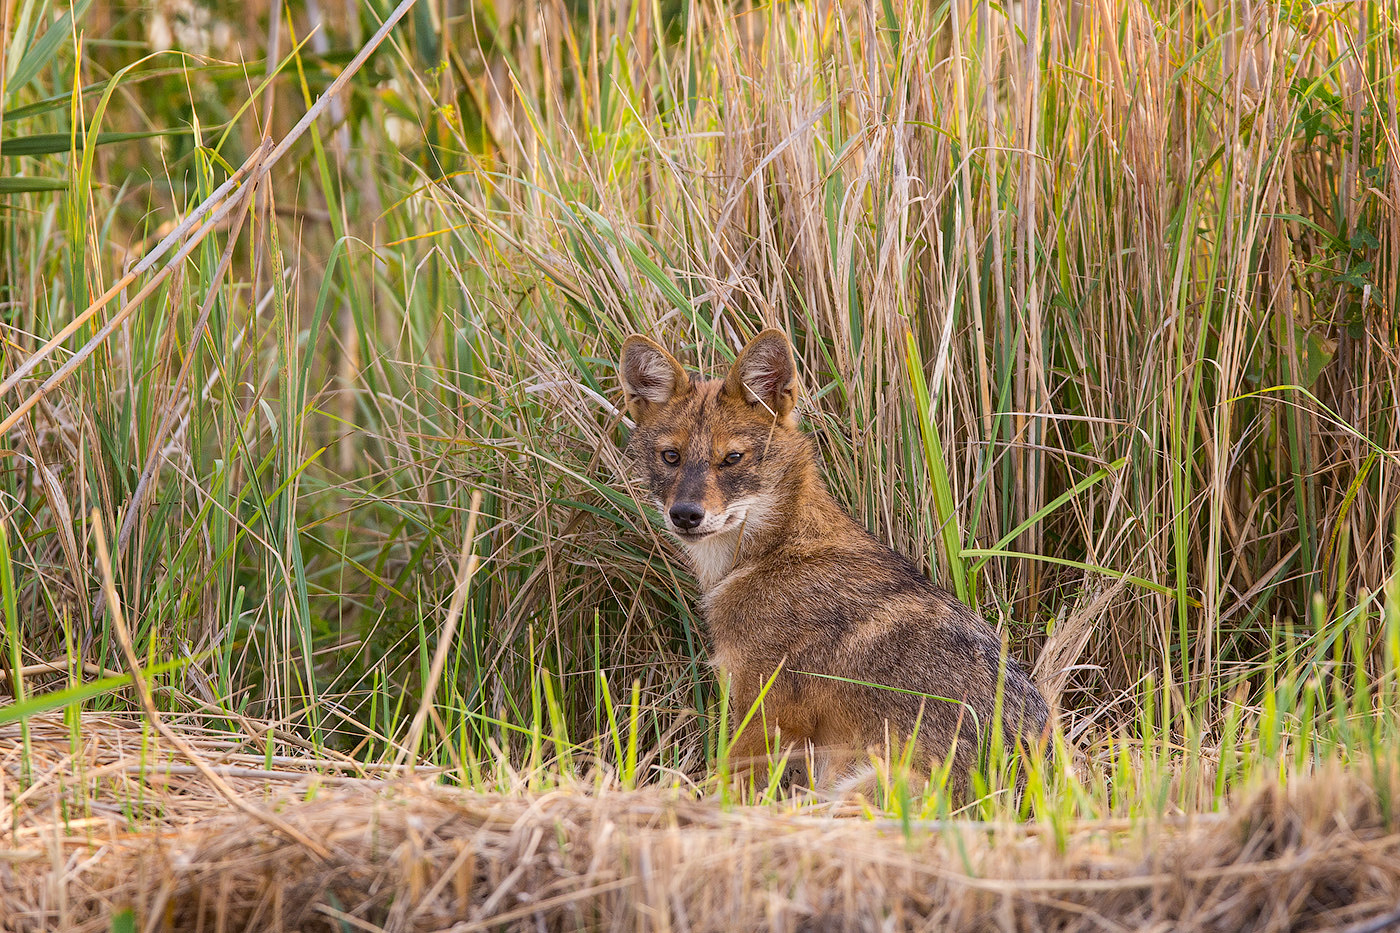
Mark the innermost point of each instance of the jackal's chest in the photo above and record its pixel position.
(744, 655)
(712, 561)
(750, 627)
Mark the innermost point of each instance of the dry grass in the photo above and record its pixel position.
(1147, 253)
(106, 834)
(1147, 259)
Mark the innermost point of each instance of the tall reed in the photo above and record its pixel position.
(1094, 303)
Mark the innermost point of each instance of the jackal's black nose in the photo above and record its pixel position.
(686, 515)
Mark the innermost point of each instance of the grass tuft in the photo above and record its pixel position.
(1094, 308)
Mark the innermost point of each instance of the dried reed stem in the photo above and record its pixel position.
(466, 569)
(147, 701)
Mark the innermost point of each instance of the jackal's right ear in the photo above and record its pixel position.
(651, 377)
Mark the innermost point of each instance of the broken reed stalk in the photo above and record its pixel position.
(148, 705)
(466, 569)
(58, 666)
(218, 206)
(218, 197)
(157, 445)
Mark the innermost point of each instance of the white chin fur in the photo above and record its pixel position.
(712, 557)
(712, 548)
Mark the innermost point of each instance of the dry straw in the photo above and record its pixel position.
(109, 827)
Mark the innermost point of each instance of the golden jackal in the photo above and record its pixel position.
(791, 583)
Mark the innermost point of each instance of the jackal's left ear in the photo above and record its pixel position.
(764, 374)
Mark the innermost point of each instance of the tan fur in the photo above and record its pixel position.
(790, 583)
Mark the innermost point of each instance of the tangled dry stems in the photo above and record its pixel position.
(115, 826)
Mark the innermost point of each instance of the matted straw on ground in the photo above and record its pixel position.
(108, 831)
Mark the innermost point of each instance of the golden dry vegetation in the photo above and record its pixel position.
(1095, 309)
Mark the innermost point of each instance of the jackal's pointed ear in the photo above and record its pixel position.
(764, 374)
(651, 377)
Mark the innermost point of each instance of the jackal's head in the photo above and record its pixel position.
(719, 455)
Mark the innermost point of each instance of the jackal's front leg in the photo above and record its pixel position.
(748, 751)
(774, 725)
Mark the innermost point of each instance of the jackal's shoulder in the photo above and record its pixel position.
(831, 578)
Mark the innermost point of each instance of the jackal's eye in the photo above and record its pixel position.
(671, 456)
(733, 458)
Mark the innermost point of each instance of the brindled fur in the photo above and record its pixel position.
(789, 580)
